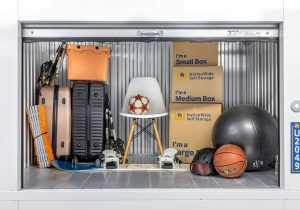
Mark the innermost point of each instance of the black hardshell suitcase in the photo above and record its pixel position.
(89, 101)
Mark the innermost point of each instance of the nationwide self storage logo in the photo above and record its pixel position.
(181, 76)
(180, 116)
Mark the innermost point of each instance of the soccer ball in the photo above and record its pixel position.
(139, 105)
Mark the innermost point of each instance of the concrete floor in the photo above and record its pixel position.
(35, 178)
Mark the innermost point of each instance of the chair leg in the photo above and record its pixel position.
(133, 124)
(157, 137)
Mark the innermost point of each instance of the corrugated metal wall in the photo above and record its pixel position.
(250, 76)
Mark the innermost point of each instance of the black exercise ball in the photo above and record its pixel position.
(251, 128)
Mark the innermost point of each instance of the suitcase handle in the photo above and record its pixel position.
(150, 33)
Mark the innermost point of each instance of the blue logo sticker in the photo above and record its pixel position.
(295, 147)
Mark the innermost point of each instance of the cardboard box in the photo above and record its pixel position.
(202, 84)
(195, 53)
(191, 127)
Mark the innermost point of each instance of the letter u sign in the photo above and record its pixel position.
(296, 132)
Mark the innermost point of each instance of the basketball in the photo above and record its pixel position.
(230, 161)
(139, 105)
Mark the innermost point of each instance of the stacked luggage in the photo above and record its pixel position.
(88, 68)
(89, 122)
(57, 103)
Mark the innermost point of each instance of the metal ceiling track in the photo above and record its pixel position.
(151, 31)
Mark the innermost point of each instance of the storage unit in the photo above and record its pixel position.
(250, 76)
(259, 68)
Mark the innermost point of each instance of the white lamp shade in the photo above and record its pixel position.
(148, 87)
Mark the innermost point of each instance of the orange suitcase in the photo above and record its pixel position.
(57, 102)
(89, 63)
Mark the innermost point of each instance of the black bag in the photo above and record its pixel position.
(49, 68)
(90, 101)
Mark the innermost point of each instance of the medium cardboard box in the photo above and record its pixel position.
(191, 127)
(195, 53)
(203, 84)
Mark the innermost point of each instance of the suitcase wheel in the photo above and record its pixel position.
(98, 163)
(74, 162)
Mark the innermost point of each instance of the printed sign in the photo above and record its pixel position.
(182, 76)
(295, 147)
(180, 116)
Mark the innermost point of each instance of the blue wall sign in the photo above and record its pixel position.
(295, 147)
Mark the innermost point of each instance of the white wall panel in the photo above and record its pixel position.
(291, 45)
(9, 106)
(158, 205)
(9, 205)
(291, 204)
(151, 10)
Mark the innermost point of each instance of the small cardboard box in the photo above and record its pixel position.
(195, 53)
(191, 127)
(203, 84)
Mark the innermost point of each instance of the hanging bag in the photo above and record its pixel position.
(49, 69)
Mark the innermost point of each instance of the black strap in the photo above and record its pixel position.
(107, 129)
(108, 122)
(40, 135)
(54, 119)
